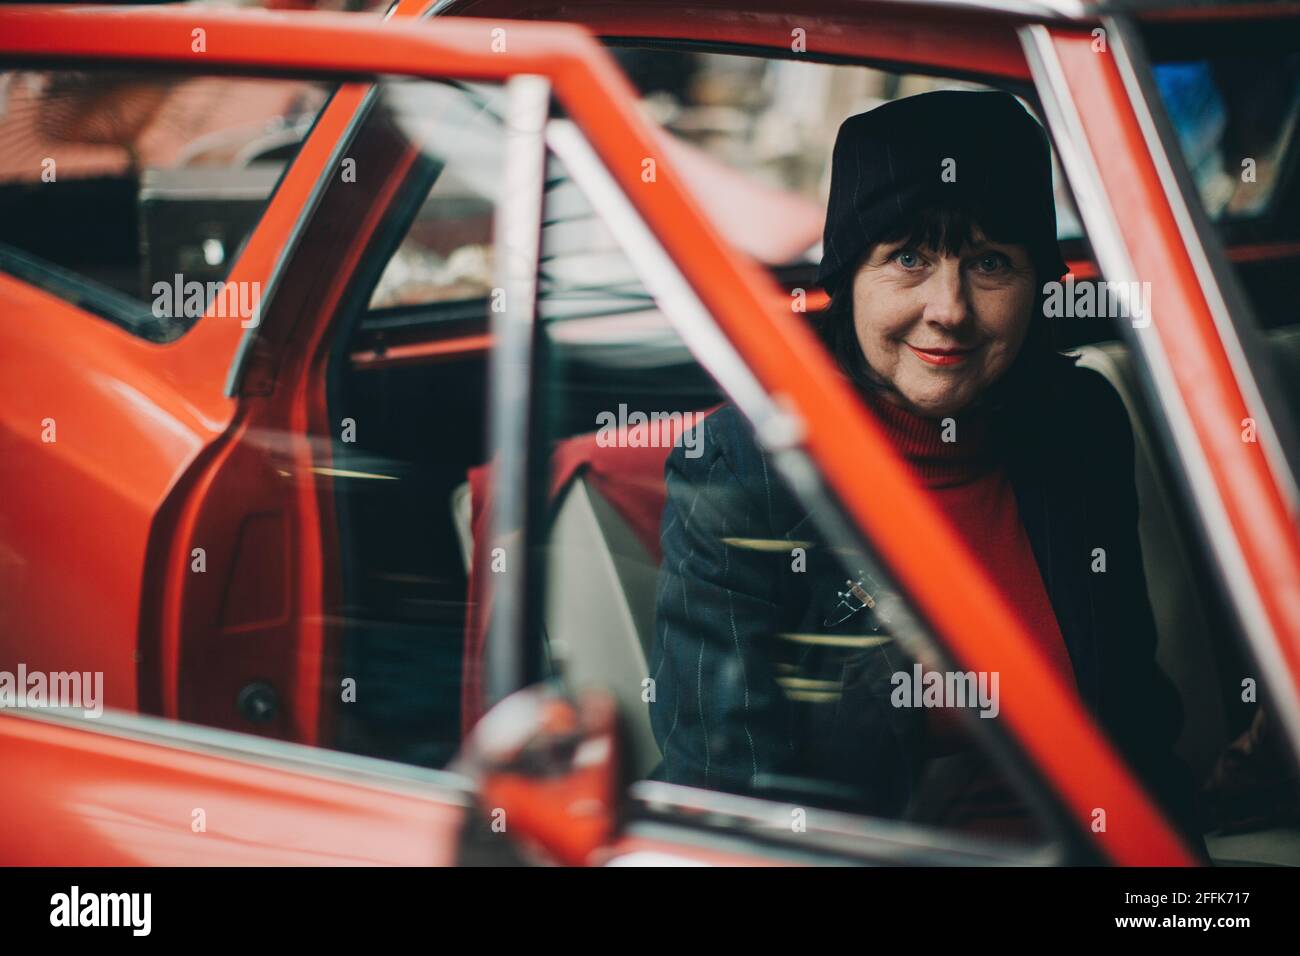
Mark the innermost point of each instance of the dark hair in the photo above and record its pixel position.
(945, 229)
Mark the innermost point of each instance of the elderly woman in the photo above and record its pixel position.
(940, 235)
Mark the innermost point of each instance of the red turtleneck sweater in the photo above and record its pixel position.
(976, 495)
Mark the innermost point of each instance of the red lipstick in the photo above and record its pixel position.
(940, 356)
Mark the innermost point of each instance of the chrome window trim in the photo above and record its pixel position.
(244, 352)
(335, 765)
(512, 406)
(836, 832)
(1213, 272)
(1114, 259)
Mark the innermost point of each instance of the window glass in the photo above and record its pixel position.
(446, 255)
(756, 647)
(413, 379)
(649, 561)
(753, 646)
(118, 187)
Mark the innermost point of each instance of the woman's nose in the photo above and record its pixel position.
(946, 300)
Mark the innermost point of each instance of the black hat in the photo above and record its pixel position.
(980, 151)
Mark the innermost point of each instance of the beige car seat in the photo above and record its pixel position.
(600, 593)
(1183, 649)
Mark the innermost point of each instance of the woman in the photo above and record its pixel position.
(940, 236)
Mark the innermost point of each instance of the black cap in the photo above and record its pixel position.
(977, 150)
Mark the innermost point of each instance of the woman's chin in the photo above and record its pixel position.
(934, 404)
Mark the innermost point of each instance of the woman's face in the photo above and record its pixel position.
(942, 328)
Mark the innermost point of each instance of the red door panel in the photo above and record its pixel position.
(82, 798)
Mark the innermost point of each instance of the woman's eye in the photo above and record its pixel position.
(992, 262)
(907, 259)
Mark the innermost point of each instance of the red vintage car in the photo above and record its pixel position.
(314, 328)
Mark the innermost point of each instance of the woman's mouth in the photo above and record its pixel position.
(941, 356)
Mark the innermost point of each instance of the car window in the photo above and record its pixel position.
(126, 191)
(1229, 92)
(445, 258)
(416, 486)
(639, 543)
(756, 647)
(752, 645)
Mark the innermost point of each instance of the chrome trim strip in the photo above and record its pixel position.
(1113, 257)
(518, 231)
(245, 350)
(336, 765)
(1213, 273)
(831, 831)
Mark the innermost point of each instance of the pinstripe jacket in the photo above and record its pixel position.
(748, 698)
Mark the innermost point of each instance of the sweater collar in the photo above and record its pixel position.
(942, 452)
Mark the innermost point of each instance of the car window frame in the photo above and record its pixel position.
(779, 428)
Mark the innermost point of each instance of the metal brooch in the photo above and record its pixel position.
(854, 598)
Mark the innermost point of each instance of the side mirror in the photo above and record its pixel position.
(551, 765)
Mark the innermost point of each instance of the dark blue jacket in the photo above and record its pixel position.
(747, 696)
